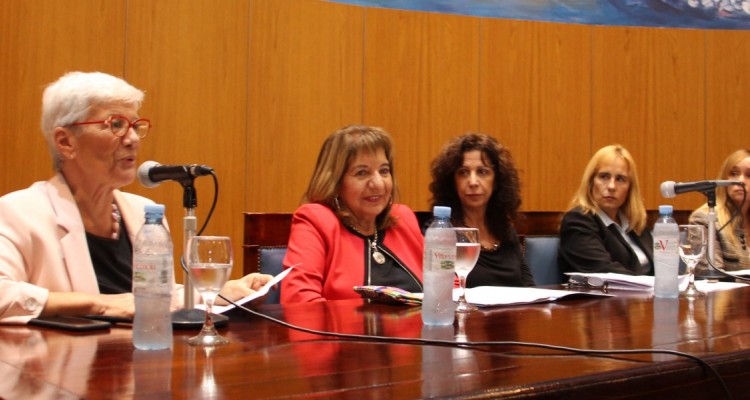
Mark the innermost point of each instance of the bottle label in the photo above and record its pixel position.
(661, 245)
(150, 271)
(664, 246)
(443, 258)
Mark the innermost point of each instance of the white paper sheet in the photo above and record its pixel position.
(261, 292)
(708, 286)
(487, 296)
(618, 281)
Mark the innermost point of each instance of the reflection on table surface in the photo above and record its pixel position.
(267, 360)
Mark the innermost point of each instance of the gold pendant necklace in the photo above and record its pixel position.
(376, 255)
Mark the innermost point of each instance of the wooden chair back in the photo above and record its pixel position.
(271, 230)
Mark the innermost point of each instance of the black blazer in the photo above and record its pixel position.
(587, 245)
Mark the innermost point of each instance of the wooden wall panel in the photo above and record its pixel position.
(191, 57)
(421, 78)
(305, 82)
(252, 87)
(648, 95)
(40, 41)
(727, 97)
(535, 99)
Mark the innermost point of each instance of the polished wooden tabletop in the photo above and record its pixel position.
(268, 360)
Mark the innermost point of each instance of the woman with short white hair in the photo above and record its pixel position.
(66, 243)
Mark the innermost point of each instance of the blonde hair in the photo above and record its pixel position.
(633, 207)
(724, 206)
(338, 150)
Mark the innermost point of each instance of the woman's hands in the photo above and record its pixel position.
(76, 303)
(243, 287)
(123, 305)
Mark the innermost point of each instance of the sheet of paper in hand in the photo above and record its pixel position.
(261, 292)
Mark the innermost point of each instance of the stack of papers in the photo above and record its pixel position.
(708, 286)
(483, 296)
(643, 282)
(489, 296)
(614, 281)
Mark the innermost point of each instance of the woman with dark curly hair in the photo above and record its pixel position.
(474, 175)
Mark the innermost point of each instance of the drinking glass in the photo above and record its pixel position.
(467, 254)
(692, 248)
(210, 262)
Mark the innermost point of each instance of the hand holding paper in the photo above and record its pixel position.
(261, 292)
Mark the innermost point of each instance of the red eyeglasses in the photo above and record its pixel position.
(120, 125)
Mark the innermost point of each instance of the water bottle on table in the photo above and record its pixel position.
(439, 262)
(666, 258)
(153, 266)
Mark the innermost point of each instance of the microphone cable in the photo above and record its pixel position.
(737, 211)
(473, 345)
(183, 264)
(213, 203)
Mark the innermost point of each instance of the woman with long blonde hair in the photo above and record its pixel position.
(732, 215)
(605, 228)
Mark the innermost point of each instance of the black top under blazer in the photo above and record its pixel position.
(587, 245)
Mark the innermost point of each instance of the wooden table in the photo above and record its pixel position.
(266, 360)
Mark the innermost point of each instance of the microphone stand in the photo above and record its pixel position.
(711, 273)
(190, 317)
(711, 241)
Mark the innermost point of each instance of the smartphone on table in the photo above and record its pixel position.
(69, 323)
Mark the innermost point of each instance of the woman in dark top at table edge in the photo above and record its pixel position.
(476, 177)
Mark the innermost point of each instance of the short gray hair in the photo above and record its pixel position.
(69, 99)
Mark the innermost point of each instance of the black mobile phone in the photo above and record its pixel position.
(114, 320)
(69, 323)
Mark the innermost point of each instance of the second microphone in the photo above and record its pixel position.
(151, 173)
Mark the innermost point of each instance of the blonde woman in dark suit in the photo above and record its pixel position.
(605, 229)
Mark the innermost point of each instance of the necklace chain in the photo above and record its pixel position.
(494, 246)
(376, 255)
(491, 248)
(116, 218)
(742, 241)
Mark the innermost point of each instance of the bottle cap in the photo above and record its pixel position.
(154, 210)
(665, 209)
(441, 211)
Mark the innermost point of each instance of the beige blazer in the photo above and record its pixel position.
(43, 246)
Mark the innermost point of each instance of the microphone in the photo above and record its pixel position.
(672, 189)
(151, 173)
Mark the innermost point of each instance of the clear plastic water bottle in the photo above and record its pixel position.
(153, 267)
(666, 258)
(439, 268)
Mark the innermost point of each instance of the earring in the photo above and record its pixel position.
(742, 241)
(336, 201)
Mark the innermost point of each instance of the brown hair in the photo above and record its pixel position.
(338, 150)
